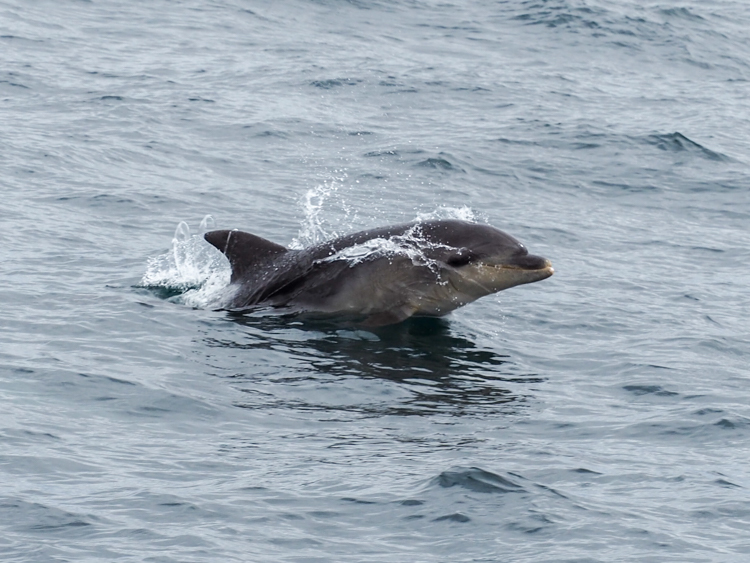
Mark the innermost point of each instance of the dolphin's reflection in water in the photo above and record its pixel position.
(436, 368)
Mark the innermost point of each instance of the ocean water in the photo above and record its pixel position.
(600, 415)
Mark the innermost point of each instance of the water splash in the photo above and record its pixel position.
(412, 244)
(463, 213)
(325, 212)
(373, 248)
(193, 271)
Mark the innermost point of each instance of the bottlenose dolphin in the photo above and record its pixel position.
(387, 274)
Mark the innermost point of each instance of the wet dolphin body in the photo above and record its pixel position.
(436, 267)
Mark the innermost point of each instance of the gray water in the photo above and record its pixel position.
(600, 415)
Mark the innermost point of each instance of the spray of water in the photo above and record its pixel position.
(325, 212)
(323, 204)
(463, 213)
(412, 245)
(193, 270)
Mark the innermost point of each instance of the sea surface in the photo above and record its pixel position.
(600, 415)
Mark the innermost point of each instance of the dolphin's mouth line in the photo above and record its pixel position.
(548, 267)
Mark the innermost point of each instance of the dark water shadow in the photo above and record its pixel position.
(442, 369)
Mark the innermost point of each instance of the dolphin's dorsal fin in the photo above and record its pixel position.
(243, 249)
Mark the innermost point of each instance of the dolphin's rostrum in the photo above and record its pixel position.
(387, 274)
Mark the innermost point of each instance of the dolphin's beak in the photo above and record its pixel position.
(535, 267)
(529, 262)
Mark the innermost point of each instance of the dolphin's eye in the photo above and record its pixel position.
(458, 260)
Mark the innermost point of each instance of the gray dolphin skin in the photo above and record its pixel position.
(386, 274)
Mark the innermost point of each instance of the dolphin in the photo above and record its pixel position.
(387, 274)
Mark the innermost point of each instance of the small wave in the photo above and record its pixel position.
(677, 142)
(680, 12)
(335, 83)
(439, 163)
(559, 14)
(727, 484)
(382, 153)
(38, 517)
(14, 84)
(733, 422)
(455, 517)
(657, 390)
(477, 480)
